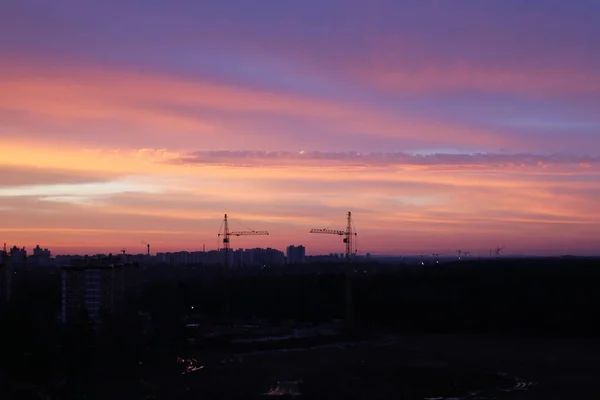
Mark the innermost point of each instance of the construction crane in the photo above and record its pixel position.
(226, 233)
(348, 235)
(464, 253)
(498, 250)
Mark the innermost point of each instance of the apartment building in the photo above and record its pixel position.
(5, 278)
(94, 287)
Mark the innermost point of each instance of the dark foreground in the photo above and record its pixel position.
(410, 367)
(391, 367)
(514, 329)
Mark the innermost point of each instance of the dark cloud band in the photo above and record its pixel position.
(381, 159)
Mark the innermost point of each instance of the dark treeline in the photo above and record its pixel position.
(499, 297)
(551, 297)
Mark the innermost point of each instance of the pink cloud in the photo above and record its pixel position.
(542, 81)
(416, 209)
(144, 105)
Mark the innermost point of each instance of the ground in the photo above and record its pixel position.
(405, 367)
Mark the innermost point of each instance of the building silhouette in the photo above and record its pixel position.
(17, 257)
(296, 254)
(94, 288)
(5, 277)
(38, 252)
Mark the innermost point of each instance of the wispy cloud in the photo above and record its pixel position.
(469, 127)
(382, 159)
(88, 193)
(537, 82)
(28, 175)
(166, 110)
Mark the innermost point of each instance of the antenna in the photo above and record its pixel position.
(498, 250)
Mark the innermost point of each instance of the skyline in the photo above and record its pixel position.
(145, 250)
(440, 127)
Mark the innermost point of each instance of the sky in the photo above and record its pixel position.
(441, 125)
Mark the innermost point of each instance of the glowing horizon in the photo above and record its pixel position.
(424, 120)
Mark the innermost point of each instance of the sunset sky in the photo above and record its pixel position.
(442, 125)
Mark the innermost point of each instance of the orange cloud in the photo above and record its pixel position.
(414, 207)
(18, 175)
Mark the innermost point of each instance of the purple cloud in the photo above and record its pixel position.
(381, 159)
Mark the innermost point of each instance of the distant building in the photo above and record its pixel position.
(242, 258)
(94, 287)
(17, 257)
(274, 257)
(5, 278)
(331, 258)
(41, 257)
(267, 257)
(296, 254)
(38, 252)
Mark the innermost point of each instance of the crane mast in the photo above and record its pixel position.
(226, 238)
(226, 250)
(348, 235)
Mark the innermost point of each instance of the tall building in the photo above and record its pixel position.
(17, 257)
(5, 278)
(296, 254)
(265, 257)
(274, 257)
(41, 253)
(94, 288)
(40, 257)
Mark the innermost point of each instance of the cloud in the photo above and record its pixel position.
(31, 163)
(431, 78)
(18, 175)
(394, 78)
(85, 193)
(386, 159)
(83, 103)
(421, 208)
